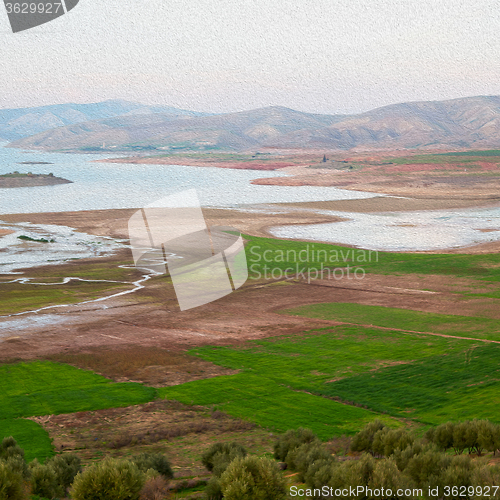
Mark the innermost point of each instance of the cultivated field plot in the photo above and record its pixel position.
(426, 378)
(45, 388)
(404, 319)
(484, 269)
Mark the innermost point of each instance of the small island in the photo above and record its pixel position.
(17, 180)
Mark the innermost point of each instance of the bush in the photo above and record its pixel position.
(387, 475)
(220, 455)
(291, 440)
(66, 467)
(213, 491)
(353, 473)
(109, 480)
(394, 440)
(443, 435)
(305, 456)
(426, 468)
(9, 448)
(155, 488)
(44, 482)
(155, 461)
(363, 440)
(459, 472)
(319, 473)
(11, 483)
(253, 478)
(18, 464)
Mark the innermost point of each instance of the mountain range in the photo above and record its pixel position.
(471, 122)
(23, 122)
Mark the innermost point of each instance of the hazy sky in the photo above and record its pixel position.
(332, 56)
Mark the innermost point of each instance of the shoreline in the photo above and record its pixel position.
(113, 223)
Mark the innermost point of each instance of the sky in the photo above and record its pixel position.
(324, 56)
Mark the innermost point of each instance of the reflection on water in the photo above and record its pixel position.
(404, 231)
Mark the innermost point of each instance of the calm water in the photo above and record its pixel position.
(404, 231)
(121, 185)
(115, 185)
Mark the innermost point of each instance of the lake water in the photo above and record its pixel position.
(121, 185)
(404, 231)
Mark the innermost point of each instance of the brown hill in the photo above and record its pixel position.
(458, 123)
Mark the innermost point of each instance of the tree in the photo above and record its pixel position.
(44, 482)
(253, 478)
(363, 440)
(443, 435)
(292, 439)
(109, 480)
(66, 467)
(324, 158)
(11, 483)
(220, 455)
(155, 461)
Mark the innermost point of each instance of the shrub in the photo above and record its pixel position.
(292, 439)
(443, 435)
(11, 483)
(363, 440)
(459, 472)
(18, 464)
(353, 473)
(253, 478)
(10, 448)
(402, 457)
(219, 455)
(425, 468)
(155, 461)
(319, 473)
(395, 439)
(44, 482)
(387, 475)
(155, 488)
(66, 467)
(486, 475)
(213, 491)
(305, 456)
(109, 480)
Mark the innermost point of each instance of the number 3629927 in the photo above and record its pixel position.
(33, 8)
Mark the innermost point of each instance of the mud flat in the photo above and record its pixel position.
(394, 204)
(114, 223)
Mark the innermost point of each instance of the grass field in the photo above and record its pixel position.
(457, 386)
(45, 388)
(283, 254)
(30, 436)
(404, 319)
(272, 405)
(337, 363)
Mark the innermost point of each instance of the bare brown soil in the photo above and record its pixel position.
(143, 336)
(5, 232)
(182, 432)
(455, 187)
(182, 160)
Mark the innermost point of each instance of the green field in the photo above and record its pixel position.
(337, 363)
(45, 388)
(283, 254)
(269, 404)
(404, 319)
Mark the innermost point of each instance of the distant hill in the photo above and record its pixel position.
(458, 123)
(23, 122)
